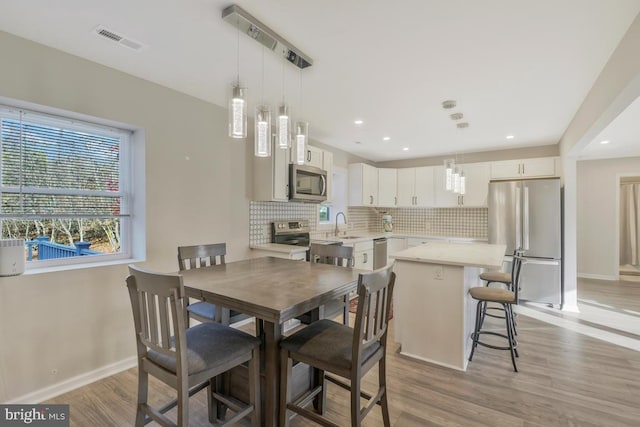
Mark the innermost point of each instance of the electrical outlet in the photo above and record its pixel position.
(438, 273)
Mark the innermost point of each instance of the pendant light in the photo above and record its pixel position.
(238, 104)
(284, 132)
(262, 135)
(456, 180)
(302, 134)
(449, 165)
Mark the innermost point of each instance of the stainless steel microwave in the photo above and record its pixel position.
(307, 184)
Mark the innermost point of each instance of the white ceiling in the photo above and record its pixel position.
(514, 67)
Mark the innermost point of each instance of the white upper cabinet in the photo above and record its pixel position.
(476, 182)
(313, 156)
(416, 187)
(527, 168)
(387, 187)
(271, 176)
(363, 185)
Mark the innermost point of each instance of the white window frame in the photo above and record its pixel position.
(131, 180)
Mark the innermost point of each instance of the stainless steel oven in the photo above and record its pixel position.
(307, 184)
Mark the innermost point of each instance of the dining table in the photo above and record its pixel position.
(273, 290)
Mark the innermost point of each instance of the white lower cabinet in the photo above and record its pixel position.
(363, 255)
(296, 256)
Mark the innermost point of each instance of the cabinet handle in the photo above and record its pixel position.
(308, 155)
(365, 258)
(523, 169)
(370, 200)
(395, 200)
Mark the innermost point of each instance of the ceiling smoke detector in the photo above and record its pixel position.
(462, 125)
(448, 104)
(246, 23)
(456, 116)
(118, 38)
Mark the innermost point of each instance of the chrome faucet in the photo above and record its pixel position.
(343, 217)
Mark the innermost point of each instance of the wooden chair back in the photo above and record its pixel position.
(331, 254)
(201, 255)
(158, 304)
(375, 293)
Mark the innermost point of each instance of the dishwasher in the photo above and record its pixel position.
(379, 253)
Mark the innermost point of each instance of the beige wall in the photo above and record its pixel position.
(78, 321)
(597, 219)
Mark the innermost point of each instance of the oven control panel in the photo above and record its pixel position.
(286, 227)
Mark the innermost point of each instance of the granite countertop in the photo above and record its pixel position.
(355, 237)
(482, 255)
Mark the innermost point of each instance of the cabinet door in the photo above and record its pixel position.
(327, 165)
(363, 185)
(363, 260)
(387, 186)
(477, 184)
(505, 169)
(532, 168)
(369, 185)
(313, 157)
(280, 174)
(444, 198)
(406, 187)
(425, 187)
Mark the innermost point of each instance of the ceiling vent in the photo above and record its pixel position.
(258, 31)
(118, 38)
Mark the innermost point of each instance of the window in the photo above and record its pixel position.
(65, 188)
(324, 213)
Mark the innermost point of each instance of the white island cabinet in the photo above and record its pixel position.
(433, 312)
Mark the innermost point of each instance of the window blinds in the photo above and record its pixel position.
(58, 168)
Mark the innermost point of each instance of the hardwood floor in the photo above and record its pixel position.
(566, 378)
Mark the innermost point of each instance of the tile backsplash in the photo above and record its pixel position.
(451, 222)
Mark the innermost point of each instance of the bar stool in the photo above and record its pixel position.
(507, 299)
(500, 277)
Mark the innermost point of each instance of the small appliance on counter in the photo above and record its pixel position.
(387, 224)
(11, 257)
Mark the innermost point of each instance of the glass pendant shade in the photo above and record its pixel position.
(238, 112)
(302, 132)
(263, 131)
(283, 127)
(456, 181)
(449, 166)
(463, 183)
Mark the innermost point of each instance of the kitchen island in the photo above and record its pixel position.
(433, 312)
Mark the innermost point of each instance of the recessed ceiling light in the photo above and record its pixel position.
(604, 142)
(386, 138)
(405, 149)
(358, 122)
(510, 136)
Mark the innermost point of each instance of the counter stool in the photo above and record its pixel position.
(507, 299)
(496, 277)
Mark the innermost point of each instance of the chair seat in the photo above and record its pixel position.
(500, 295)
(207, 310)
(328, 343)
(208, 345)
(496, 276)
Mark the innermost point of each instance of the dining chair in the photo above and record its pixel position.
(346, 353)
(507, 299)
(187, 359)
(197, 256)
(334, 255)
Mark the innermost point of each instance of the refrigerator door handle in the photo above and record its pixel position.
(518, 219)
(525, 219)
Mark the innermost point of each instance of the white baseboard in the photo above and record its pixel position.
(75, 382)
(596, 276)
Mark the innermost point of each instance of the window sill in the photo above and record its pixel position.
(56, 268)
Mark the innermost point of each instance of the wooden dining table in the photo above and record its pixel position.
(273, 290)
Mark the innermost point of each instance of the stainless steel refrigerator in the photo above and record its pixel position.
(527, 215)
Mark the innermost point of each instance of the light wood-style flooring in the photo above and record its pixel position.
(566, 379)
